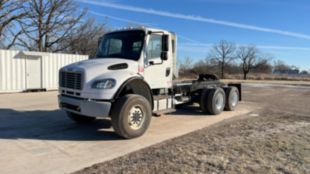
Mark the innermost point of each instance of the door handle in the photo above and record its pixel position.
(168, 70)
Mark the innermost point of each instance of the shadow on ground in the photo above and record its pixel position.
(54, 125)
(51, 125)
(188, 110)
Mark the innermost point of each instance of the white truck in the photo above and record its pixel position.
(132, 78)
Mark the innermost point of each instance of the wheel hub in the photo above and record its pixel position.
(219, 101)
(234, 99)
(136, 117)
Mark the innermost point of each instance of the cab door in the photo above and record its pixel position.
(157, 72)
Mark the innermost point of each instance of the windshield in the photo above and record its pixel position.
(124, 44)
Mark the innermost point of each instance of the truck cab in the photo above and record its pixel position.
(129, 80)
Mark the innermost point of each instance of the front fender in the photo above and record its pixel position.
(135, 85)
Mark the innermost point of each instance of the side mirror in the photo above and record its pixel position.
(165, 47)
(165, 43)
(164, 55)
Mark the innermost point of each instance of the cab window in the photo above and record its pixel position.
(124, 44)
(154, 47)
(115, 46)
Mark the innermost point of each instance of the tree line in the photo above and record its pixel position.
(228, 58)
(48, 26)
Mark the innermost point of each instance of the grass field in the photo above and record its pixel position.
(271, 77)
(275, 82)
(258, 77)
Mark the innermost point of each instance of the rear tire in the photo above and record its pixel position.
(204, 100)
(232, 98)
(213, 101)
(80, 119)
(131, 116)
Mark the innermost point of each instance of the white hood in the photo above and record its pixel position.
(96, 67)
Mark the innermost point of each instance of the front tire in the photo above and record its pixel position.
(80, 119)
(131, 116)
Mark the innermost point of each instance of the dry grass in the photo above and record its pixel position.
(267, 144)
(260, 78)
(257, 76)
(269, 77)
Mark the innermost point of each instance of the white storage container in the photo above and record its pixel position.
(25, 70)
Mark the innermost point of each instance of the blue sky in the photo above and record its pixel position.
(278, 27)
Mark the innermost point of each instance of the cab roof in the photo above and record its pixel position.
(146, 29)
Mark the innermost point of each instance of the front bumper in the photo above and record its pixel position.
(85, 107)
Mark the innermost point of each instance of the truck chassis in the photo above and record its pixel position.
(131, 111)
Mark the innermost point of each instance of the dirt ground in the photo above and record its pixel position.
(272, 139)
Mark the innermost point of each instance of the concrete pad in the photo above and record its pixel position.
(36, 137)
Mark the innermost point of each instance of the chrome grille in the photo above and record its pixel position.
(71, 80)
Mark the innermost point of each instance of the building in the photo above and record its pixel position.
(287, 72)
(26, 71)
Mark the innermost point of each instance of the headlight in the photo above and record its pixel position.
(104, 84)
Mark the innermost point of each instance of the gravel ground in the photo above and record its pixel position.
(274, 139)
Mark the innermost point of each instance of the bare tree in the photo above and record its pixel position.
(48, 23)
(252, 59)
(223, 52)
(248, 56)
(10, 13)
(185, 67)
(263, 64)
(304, 72)
(186, 63)
(85, 39)
(280, 65)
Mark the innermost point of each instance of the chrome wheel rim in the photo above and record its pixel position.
(136, 117)
(219, 101)
(234, 99)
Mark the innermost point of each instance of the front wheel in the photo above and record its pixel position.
(131, 116)
(80, 119)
